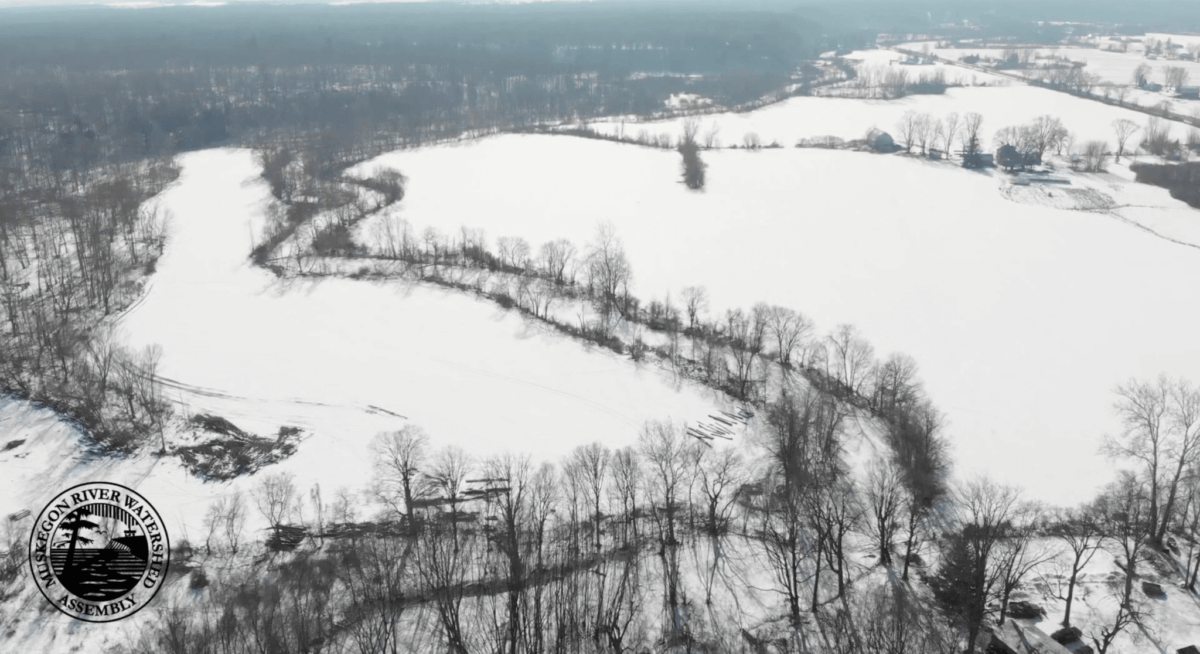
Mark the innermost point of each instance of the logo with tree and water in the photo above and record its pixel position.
(99, 552)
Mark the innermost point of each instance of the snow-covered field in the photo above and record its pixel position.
(342, 360)
(1023, 317)
(789, 121)
(1112, 67)
(953, 74)
(1024, 306)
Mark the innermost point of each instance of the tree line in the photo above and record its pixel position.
(73, 253)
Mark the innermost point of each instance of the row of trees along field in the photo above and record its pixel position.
(672, 542)
(96, 103)
(609, 551)
(988, 542)
(1018, 146)
(74, 249)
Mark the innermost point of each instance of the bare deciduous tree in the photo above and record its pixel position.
(1142, 408)
(1175, 76)
(557, 257)
(950, 126)
(790, 330)
(746, 333)
(908, 127)
(399, 456)
(1123, 128)
(851, 359)
(589, 464)
(884, 489)
(1141, 75)
(1083, 534)
(275, 497)
(695, 302)
(609, 272)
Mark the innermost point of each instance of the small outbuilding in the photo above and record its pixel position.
(1188, 92)
(1190, 649)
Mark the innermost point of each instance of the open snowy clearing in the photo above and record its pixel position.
(1022, 317)
(344, 360)
(471, 374)
(1111, 67)
(953, 74)
(341, 359)
(805, 117)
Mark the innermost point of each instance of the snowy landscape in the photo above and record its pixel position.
(869, 354)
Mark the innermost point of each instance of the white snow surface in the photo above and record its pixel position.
(341, 359)
(469, 373)
(1023, 317)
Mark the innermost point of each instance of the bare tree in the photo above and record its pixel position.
(1020, 552)
(399, 457)
(907, 128)
(1083, 534)
(896, 384)
(275, 497)
(884, 489)
(746, 334)
(447, 476)
(1128, 614)
(609, 273)
(1122, 510)
(950, 126)
(1141, 75)
(666, 449)
(1175, 76)
(851, 359)
(589, 464)
(627, 482)
(721, 474)
(970, 577)
(1045, 133)
(712, 136)
(445, 558)
(786, 543)
(923, 131)
(1142, 408)
(790, 330)
(1124, 513)
(972, 140)
(1123, 128)
(695, 302)
(1156, 137)
(1094, 156)
(1183, 446)
(556, 257)
(669, 454)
